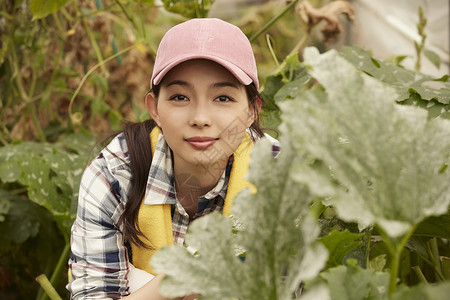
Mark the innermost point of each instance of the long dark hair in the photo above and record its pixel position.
(137, 136)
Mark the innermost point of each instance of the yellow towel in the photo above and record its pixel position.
(155, 221)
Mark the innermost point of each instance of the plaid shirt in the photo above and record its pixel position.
(100, 260)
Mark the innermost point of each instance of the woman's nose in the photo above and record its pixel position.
(201, 116)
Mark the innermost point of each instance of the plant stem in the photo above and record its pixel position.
(16, 73)
(66, 14)
(368, 245)
(419, 274)
(293, 51)
(395, 249)
(23, 94)
(62, 262)
(272, 21)
(33, 82)
(94, 44)
(125, 12)
(56, 275)
(85, 77)
(395, 263)
(3, 140)
(434, 253)
(275, 59)
(58, 25)
(48, 288)
(40, 134)
(420, 28)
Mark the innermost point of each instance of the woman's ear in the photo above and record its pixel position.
(258, 106)
(152, 106)
(254, 111)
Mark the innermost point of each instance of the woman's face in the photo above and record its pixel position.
(203, 112)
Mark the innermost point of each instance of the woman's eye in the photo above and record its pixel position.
(223, 99)
(178, 98)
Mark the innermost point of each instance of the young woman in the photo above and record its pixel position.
(152, 180)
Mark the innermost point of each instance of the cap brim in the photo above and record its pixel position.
(238, 73)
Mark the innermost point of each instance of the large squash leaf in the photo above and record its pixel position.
(50, 172)
(388, 158)
(275, 236)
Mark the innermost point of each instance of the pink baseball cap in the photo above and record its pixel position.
(211, 39)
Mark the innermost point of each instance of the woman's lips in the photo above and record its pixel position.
(201, 142)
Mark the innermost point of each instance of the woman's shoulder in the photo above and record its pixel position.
(111, 167)
(114, 156)
(116, 148)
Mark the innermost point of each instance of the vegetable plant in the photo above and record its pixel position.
(347, 143)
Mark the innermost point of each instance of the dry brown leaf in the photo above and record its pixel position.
(312, 16)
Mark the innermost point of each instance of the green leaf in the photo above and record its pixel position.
(292, 61)
(40, 182)
(274, 230)
(22, 219)
(387, 157)
(443, 78)
(339, 244)
(435, 227)
(5, 204)
(435, 109)
(419, 245)
(276, 90)
(81, 144)
(42, 8)
(271, 112)
(399, 59)
(354, 283)
(271, 86)
(317, 292)
(210, 270)
(402, 80)
(271, 120)
(295, 87)
(50, 172)
(9, 172)
(278, 235)
(423, 292)
(377, 264)
(445, 262)
(433, 57)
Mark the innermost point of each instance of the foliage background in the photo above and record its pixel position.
(72, 71)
